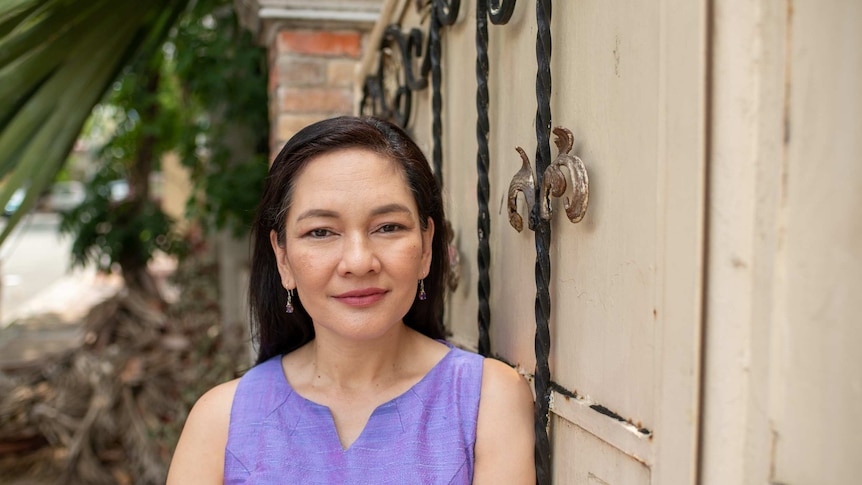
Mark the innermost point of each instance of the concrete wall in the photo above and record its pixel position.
(783, 374)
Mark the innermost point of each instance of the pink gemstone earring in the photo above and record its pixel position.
(289, 307)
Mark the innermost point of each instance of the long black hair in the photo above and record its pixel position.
(278, 332)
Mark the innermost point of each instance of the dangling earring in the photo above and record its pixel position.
(289, 307)
(422, 294)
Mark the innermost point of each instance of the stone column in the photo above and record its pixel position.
(314, 50)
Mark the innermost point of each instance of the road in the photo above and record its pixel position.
(32, 259)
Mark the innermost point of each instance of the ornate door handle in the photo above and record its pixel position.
(553, 183)
(524, 183)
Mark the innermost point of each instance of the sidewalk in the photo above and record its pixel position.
(50, 322)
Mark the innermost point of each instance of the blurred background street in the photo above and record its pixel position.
(35, 259)
(43, 299)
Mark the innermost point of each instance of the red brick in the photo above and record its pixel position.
(315, 100)
(320, 42)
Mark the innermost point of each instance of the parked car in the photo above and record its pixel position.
(14, 202)
(66, 196)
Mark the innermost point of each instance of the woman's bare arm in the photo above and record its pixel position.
(199, 457)
(504, 432)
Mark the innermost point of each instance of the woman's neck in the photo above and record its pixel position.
(351, 365)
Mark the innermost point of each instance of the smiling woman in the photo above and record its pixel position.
(355, 256)
(354, 382)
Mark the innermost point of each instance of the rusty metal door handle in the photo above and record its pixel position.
(553, 183)
(524, 183)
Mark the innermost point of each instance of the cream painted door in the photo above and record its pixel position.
(627, 301)
(629, 82)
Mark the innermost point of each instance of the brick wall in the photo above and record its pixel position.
(311, 78)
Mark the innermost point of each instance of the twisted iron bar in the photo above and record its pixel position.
(499, 13)
(483, 186)
(445, 12)
(543, 242)
(434, 46)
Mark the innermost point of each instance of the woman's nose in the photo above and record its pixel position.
(358, 256)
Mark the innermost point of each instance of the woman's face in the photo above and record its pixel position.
(354, 247)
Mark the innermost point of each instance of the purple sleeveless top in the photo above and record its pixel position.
(424, 436)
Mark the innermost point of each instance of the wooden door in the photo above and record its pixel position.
(627, 292)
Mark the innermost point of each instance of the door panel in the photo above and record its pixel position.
(607, 74)
(580, 457)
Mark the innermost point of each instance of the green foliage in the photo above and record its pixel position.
(202, 95)
(110, 228)
(109, 232)
(225, 138)
(126, 230)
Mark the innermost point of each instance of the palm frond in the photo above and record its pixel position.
(57, 60)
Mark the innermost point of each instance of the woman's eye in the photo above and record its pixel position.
(389, 227)
(319, 233)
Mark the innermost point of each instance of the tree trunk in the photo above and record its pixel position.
(134, 262)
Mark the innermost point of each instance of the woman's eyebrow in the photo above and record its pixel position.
(317, 213)
(383, 209)
(390, 208)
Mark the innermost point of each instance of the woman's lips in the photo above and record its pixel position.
(360, 298)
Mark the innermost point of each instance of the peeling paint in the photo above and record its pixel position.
(567, 394)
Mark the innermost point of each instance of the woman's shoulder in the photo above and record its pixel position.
(200, 449)
(217, 401)
(500, 379)
(504, 431)
(210, 416)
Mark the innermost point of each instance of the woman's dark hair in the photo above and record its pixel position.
(278, 332)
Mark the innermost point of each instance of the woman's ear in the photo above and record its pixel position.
(281, 261)
(427, 239)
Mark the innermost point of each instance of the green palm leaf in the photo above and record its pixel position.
(57, 59)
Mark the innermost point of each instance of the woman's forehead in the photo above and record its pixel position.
(352, 159)
(351, 176)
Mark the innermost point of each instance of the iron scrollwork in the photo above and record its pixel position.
(389, 93)
(500, 11)
(446, 11)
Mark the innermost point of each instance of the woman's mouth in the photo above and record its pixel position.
(362, 297)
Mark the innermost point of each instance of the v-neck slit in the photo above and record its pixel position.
(332, 429)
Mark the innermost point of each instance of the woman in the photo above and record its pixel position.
(354, 383)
